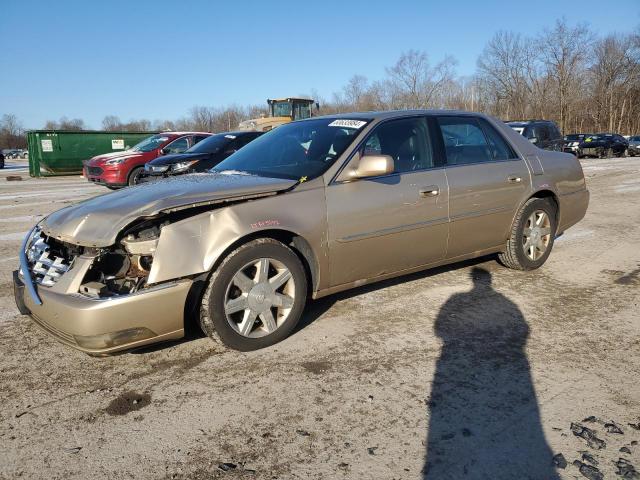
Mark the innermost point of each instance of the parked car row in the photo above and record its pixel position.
(15, 153)
(203, 156)
(545, 134)
(164, 155)
(311, 208)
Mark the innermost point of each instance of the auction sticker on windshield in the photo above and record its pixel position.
(348, 123)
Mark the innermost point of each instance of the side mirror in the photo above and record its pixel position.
(373, 166)
(533, 140)
(164, 151)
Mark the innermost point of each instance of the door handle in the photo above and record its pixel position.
(430, 191)
(514, 179)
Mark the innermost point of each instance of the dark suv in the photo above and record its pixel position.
(543, 133)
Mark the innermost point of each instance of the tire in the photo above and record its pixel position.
(223, 290)
(515, 256)
(133, 176)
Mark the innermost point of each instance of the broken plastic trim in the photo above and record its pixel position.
(24, 268)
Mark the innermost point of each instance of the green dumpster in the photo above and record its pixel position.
(61, 152)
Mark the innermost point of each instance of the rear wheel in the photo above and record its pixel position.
(134, 176)
(532, 235)
(256, 296)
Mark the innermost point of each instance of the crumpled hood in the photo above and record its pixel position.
(99, 159)
(98, 221)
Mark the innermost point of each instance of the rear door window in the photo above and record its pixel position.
(464, 141)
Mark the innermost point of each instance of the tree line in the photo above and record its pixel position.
(565, 73)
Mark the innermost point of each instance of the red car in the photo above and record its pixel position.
(119, 169)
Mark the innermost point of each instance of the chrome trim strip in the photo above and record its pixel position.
(24, 267)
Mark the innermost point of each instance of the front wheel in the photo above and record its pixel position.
(135, 175)
(532, 236)
(256, 296)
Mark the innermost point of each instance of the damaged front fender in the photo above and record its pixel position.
(193, 245)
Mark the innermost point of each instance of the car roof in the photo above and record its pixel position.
(526, 122)
(375, 115)
(178, 134)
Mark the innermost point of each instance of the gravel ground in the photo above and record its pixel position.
(472, 371)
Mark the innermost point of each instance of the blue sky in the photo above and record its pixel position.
(157, 59)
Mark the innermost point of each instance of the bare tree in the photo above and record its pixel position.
(111, 123)
(73, 124)
(564, 51)
(615, 76)
(12, 133)
(506, 69)
(418, 84)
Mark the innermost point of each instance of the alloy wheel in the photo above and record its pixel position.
(259, 298)
(536, 235)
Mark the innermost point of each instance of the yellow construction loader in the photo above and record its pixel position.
(281, 110)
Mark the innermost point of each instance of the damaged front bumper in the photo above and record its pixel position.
(107, 325)
(100, 325)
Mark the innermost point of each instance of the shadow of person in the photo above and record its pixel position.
(484, 420)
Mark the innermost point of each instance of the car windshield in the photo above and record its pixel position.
(295, 150)
(635, 139)
(520, 130)
(212, 144)
(151, 143)
(573, 137)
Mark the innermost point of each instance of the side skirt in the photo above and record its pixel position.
(386, 276)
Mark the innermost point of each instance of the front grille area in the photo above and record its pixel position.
(45, 264)
(94, 171)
